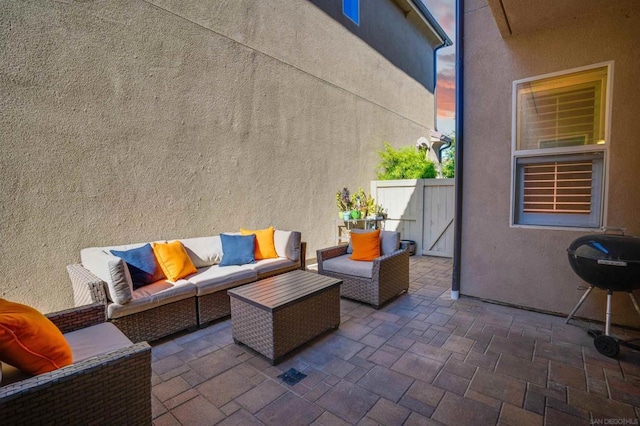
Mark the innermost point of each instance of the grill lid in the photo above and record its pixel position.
(607, 247)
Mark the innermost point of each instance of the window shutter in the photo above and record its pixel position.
(558, 187)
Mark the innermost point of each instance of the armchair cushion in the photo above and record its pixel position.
(30, 341)
(389, 242)
(344, 265)
(96, 340)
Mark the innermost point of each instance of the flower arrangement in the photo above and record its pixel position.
(343, 200)
(357, 205)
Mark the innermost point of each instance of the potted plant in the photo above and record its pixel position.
(359, 202)
(343, 201)
(381, 212)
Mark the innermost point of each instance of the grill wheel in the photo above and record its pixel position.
(607, 346)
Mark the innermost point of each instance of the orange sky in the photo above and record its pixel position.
(444, 12)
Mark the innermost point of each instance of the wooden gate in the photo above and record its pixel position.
(438, 215)
(422, 210)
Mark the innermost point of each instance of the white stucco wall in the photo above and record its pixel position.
(129, 121)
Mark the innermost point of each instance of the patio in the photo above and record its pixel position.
(422, 359)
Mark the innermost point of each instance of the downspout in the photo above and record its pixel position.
(457, 242)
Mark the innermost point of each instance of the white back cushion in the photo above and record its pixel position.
(287, 244)
(203, 251)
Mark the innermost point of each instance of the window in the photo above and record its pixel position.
(351, 9)
(559, 191)
(559, 148)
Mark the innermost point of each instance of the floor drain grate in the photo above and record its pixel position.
(292, 376)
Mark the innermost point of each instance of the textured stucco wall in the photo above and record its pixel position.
(529, 267)
(129, 121)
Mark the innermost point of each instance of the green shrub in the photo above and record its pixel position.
(404, 163)
(449, 164)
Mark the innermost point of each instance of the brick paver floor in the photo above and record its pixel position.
(421, 359)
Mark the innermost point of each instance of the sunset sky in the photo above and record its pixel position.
(444, 12)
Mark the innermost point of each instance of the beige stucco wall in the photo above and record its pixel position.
(529, 267)
(129, 121)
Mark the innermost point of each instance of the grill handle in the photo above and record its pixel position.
(612, 230)
(611, 262)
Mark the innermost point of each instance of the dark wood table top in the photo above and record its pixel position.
(283, 290)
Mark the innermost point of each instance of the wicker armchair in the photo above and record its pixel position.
(389, 277)
(113, 388)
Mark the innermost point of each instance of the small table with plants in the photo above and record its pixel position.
(343, 227)
(357, 211)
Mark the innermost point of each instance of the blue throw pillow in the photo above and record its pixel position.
(142, 264)
(237, 249)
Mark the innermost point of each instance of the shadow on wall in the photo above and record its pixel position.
(380, 28)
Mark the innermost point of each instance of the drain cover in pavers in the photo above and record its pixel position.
(292, 376)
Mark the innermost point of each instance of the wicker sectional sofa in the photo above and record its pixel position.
(163, 308)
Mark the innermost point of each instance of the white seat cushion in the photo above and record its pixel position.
(85, 343)
(344, 265)
(151, 295)
(269, 265)
(217, 278)
(96, 340)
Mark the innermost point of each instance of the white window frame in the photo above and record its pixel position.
(552, 153)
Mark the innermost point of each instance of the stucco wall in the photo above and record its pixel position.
(129, 121)
(529, 267)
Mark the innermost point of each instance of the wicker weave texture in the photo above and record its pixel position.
(274, 334)
(114, 388)
(213, 306)
(87, 288)
(390, 276)
(76, 318)
(159, 321)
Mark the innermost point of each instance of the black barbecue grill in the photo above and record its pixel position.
(611, 263)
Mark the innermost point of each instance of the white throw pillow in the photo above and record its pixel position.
(112, 270)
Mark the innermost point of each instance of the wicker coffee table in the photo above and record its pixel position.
(276, 315)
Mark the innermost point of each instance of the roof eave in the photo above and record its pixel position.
(427, 18)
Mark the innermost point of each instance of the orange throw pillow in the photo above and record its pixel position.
(365, 246)
(30, 341)
(264, 246)
(173, 260)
